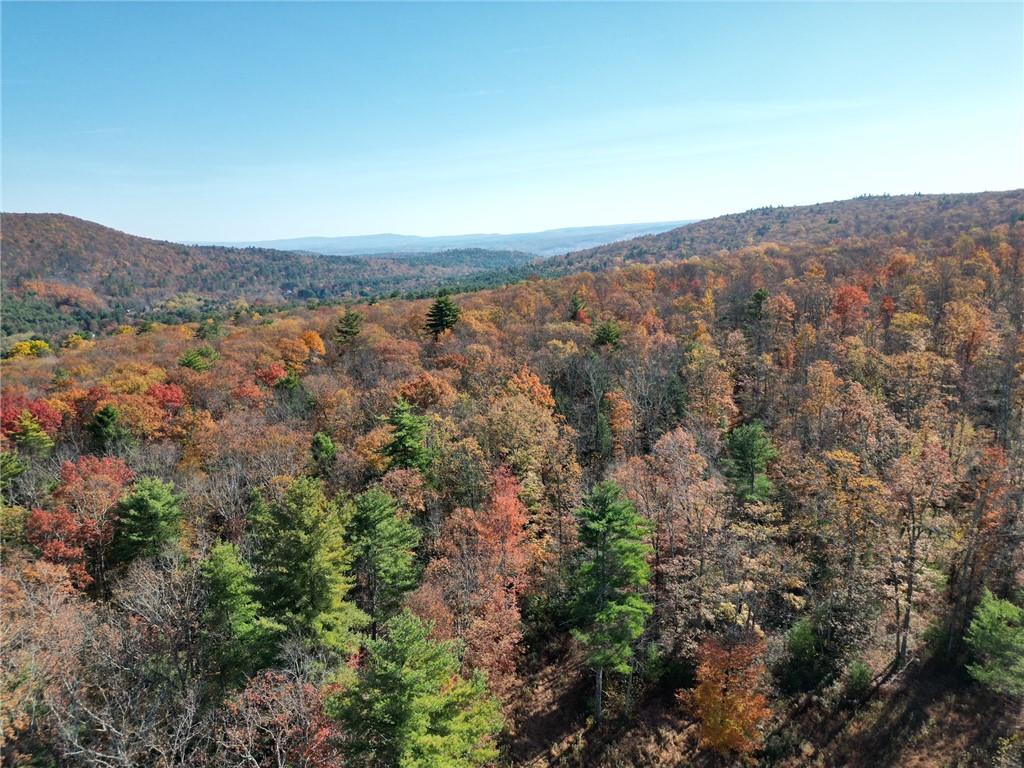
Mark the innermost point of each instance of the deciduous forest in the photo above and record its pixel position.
(748, 492)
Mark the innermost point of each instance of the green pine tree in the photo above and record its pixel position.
(150, 519)
(303, 565)
(996, 640)
(443, 314)
(210, 329)
(349, 326)
(607, 334)
(755, 309)
(408, 447)
(30, 437)
(577, 306)
(239, 638)
(750, 449)
(292, 394)
(11, 466)
(199, 358)
(754, 322)
(324, 452)
(106, 429)
(610, 606)
(383, 544)
(411, 708)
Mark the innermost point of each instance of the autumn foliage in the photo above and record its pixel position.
(728, 699)
(77, 531)
(764, 459)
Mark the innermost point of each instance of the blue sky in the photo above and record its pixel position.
(210, 121)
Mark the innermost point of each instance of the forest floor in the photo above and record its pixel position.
(929, 715)
(924, 716)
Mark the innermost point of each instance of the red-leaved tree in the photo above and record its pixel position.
(78, 529)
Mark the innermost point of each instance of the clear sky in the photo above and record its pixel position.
(203, 121)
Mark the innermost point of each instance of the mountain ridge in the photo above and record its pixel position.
(548, 242)
(922, 216)
(61, 273)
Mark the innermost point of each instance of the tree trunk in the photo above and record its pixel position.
(911, 567)
(598, 691)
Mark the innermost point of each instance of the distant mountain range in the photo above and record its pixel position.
(551, 242)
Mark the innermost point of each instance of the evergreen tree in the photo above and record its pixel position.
(577, 307)
(199, 359)
(411, 708)
(443, 314)
(210, 329)
(755, 308)
(754, 320)
(607, 334)
(11, 466)
(610, 607)
(383, 544)
(324, 452)
(293, 395)
(303, 565)
(750, 449)
(350, 325)
(241, 640)
(106, 429)
(408, 446)
(996, 640)
(30, 437)
(150, 519)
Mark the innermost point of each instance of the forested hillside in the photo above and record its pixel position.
(65, 274)
(756, 499)
(919, 217)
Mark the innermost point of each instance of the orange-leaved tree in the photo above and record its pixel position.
(728, 698)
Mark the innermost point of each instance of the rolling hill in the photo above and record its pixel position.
(914, 217)
(61, 273)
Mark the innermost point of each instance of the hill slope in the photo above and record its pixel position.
(919, 217)
(115, 265)
(61, 272)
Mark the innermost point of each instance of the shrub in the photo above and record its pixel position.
(996, 640)
(858, 680)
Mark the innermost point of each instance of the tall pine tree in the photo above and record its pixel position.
(443, 315)
(610, 605)
(11, 467)
(383, 548)
(349, 326)
(408, 447)
(411, 708)
(996, 640)
(323, 452)
(107, 430)
(149, 520)
(303, 566)
(750, 450)
(30, 437)
(238, 637)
